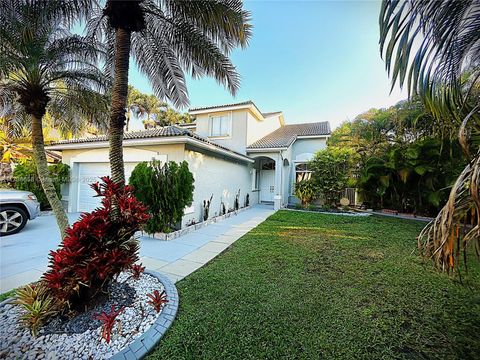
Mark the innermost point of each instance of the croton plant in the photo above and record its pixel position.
(98, 246)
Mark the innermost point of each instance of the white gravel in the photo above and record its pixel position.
(16, 342)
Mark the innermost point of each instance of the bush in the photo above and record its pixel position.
(166, 191)
(306, 191)
(97, 247)
(331, 173)
(26, 178)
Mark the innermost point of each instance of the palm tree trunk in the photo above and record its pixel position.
(119, 103)
(44, 175)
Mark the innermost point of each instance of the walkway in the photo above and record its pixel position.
(24, 256)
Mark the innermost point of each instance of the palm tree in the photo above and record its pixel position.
(167, 38)
(42, 64)
(433, 48)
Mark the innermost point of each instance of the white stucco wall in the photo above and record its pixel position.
(258, 128)
(221, 178)
(237, 140)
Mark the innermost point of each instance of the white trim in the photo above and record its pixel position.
(312, 136)
(267, 149)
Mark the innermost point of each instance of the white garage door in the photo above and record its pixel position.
(90, 173)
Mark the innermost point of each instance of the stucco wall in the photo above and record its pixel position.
(218, 177)
(258, 128)
(237, 141)
(170, 152)
(307, 146)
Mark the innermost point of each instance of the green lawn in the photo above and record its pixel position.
(315, 286)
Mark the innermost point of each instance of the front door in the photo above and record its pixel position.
(267, 185)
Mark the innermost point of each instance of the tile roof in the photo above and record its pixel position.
(249, 102)
(286, 135)
(167, 131)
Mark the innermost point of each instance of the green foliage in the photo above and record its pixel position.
(306, 191)
(38, 305)
(166, 190)
(331, 173)
(412, 177)
(26, 178)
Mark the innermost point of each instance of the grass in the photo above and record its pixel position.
(6, 295)
(320, 286)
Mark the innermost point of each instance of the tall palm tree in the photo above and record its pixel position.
(41, 63)
(167, 38)
(433, 48)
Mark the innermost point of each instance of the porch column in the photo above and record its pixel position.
(277, 199)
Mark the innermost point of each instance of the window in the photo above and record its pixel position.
(302, 172)
(220, 125)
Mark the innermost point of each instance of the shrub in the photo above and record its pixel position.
(166, 191)
(331, 173)
(38, 305)
(97, 247)
(306, 191)
(26, 178)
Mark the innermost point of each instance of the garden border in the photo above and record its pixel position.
(149, 339)
(189, 229)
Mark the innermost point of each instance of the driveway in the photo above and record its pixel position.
(24, 256)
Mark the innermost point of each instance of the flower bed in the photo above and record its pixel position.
(136, 329)
(188, 229)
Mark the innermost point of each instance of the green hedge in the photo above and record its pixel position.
(166, 190)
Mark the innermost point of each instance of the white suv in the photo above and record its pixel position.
(16, 208)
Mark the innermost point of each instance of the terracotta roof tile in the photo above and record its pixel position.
(286, 135)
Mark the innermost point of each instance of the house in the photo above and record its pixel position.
(228, 147)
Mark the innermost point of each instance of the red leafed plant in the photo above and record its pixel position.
(98, 246)
(157, 300)
(108, 320)
(137, 270)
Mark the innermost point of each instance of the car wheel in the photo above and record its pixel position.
(12, 220)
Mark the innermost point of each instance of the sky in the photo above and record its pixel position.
(313, 60)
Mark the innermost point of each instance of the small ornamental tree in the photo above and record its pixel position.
(97, 248)
(331, 169)
(166, 189)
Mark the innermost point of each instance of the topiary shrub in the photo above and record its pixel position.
(26, 178)
(97, 248)
(166, 190)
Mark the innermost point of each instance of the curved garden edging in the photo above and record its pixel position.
(147, 341)
(142, 345)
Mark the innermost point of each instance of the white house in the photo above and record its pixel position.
(229, 148)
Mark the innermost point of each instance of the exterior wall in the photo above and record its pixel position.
(258, 128)
(219, 177)
(173, 152)
(303, 150)
(237, 140)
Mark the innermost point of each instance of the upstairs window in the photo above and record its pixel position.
(220, 126)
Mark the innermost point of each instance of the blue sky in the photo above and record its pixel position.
(313, 60)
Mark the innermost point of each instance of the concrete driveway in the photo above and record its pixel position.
(24, 256)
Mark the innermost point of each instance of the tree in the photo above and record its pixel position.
(166, 39)
(331, 169)
(42, 63)
(444, 70)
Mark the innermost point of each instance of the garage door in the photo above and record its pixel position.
(90, 173)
